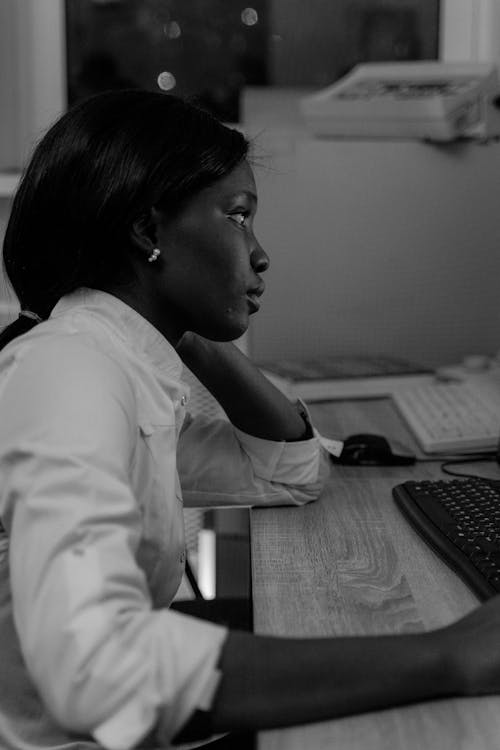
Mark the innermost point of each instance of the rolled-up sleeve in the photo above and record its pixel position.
(220, 465)
(105, 663)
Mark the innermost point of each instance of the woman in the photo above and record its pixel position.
(131, 249)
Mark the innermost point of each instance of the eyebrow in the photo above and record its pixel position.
(247, 194)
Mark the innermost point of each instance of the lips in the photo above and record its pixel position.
(253, 302)
(253, 297)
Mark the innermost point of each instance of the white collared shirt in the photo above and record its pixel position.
(97, 456)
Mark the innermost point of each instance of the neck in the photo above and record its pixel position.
(143, 302)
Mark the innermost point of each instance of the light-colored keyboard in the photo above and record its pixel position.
(452, 417)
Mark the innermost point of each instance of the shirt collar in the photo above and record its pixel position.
(129, 325)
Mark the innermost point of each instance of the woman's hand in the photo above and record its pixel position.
(473, 647)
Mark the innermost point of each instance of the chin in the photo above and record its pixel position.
(229, 335)
(229, 331)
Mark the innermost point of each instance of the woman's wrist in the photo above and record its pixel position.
(247, 397)
(449, 672)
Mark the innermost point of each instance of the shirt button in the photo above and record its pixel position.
(182, 558)
(183, 400)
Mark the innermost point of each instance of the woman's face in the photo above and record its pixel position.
(209, 278)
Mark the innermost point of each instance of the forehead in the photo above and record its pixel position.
(239, 180)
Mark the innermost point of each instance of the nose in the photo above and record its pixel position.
(259, 259)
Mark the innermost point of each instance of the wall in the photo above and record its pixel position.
(470, 30)
(377, 246)
(32, 84)
(7, 297)
(32, 90)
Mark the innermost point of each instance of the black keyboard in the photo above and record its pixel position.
(460, 520)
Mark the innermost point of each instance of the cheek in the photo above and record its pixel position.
(229, 275)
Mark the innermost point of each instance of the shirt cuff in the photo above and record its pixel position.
(294, 462)
(334, 447)
(180, 689)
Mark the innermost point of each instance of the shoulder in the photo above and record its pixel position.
(64, 372)
(60, 355)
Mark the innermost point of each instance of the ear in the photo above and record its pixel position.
(143, 233)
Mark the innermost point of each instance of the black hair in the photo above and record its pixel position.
(102, 166)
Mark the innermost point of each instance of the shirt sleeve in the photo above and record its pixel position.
(104, 662)
(220, 465)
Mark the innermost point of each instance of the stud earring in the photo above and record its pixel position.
(154, 255)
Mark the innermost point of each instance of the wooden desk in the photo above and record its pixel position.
(349, 564)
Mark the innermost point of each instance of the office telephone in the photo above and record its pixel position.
(425, 100)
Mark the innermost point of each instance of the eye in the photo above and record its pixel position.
(240, 217)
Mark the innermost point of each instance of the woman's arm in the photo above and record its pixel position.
(251, 402)
(272, 682)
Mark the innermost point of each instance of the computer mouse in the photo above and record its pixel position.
(374, 450)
